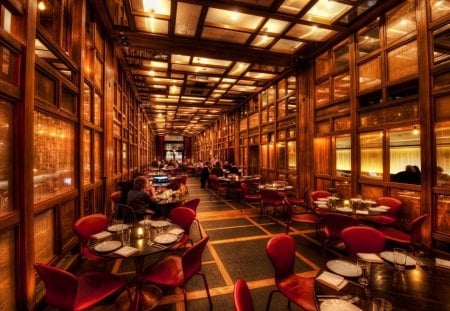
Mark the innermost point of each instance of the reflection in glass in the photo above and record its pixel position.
(343, 156)
(401, 21)
(439, 8)
(403, 61)
(371, 154)
(442, 132)
(404, 150)
(370, 74)
(369, 39)
(322, 65)
(441, 45)
(341, 56)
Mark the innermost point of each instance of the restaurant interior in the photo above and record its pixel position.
(292, 154)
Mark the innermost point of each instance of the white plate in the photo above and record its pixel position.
(175, 230)
(338, 304)
(344, 268)
(160, 223)
(322, 199)
(145, 222)
(369, 202)
(333, 198)
(118, 227)
(166, 238)
(389, 256)
(107, 246)
(344, 209)
(377, 209)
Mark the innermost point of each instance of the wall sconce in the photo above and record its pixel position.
(41, 5)
(415, 131)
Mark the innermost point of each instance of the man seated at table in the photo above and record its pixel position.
(142, 202)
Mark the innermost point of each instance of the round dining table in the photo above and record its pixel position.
(425, 287)
(141, 246)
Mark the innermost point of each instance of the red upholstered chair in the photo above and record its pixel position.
(297, 201)
(334, 224)
(318, 194)
(307, 218)
(249, 197)
(359, 239)
(176, 271)
(388, 218)
(84, 228)
(410, 238)
(116, 197)
(242, 298)
(270, 198)
(281, 251)
(69, 292)
(183, 217)
(193, 204)
(216, 187)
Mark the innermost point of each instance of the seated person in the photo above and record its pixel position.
(217, 170)
(140, 200)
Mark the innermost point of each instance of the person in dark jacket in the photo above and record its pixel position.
(204, 175)
(140, 199)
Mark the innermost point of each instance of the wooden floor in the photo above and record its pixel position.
(236, 250)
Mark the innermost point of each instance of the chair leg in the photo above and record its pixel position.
(207, 290)
(270, 299)
(185, 298)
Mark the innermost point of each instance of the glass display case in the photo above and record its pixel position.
(369, 74)
(7, 270)
(439, 8)
(401, 21)
(369, 39)
(54, 153)
(402, 62)
(98, 115)
(371, 154)
(6, 156)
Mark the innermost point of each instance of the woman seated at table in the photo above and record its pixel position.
(142, 202)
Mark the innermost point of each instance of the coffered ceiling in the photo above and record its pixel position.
(191, 61)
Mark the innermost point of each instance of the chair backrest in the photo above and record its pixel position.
(126, 213)
(116, 197)
(416, 228)
(335, 223)
(89, 225)
(393, 203)
(281, 183)
(183, 217)
(242, 296)
(359, 239)
(281, 251)
(60, 286)
(267, 194)
(245, 188)
(192, 259)
(306, 193)
(192, 204)
(319, 194)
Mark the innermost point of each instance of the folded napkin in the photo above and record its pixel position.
(362, 212)
(126, 251)
(378, 209)
(332, 280)
(443, 263)
(101, 235)
(370, 257)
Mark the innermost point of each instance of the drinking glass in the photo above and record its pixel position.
(380, 304)
(147, 221)
(364, 278)
(126, 236)
(400, 259)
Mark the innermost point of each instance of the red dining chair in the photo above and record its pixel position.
(306, 218)
(69, 292)
(334, 224)
(193, 204)
(359, 239)
(281, 184)
(300, 201)
(116, 197)
(270, 198)
(388, 218)
(242, 297)
(84, 228)
(410, 238)
(319, 194)
(249, 197)
(183, 217)
(216, 187)
(281, 251)
(176, 271)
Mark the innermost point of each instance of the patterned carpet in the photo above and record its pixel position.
(236, 249)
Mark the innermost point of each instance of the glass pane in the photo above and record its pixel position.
(369, 39)
(265, 156)
(442, 132)
(7, 271)
(125, 156)
(405, 155)
(441, 79)
(43, 236)
(9, 64)
(281, 155)
(439, 8)
(48, 18)
(441, 45)
(292, 154)
(54, 153)
(271, 117)
(403, 61)
(341, 56)
(343, 156)
(322, 65)
(281, 109)
(322, 93)
(254, 120)
(442, 214)
(98, 152)
(45, 88)
(6, 158)
(243, 124)
(401, 21)
(68, 100)
(370, 74)
(87, 163)
(98, 73)
(5, 19)
(442, 108)
(271, 152)
(98, 113)
(66, 214)
(271, 95)
(87, 112)
(341, 85)
(371, 155)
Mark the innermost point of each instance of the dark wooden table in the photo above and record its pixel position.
(421, 288)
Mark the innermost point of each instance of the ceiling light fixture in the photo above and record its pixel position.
(41, 5)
